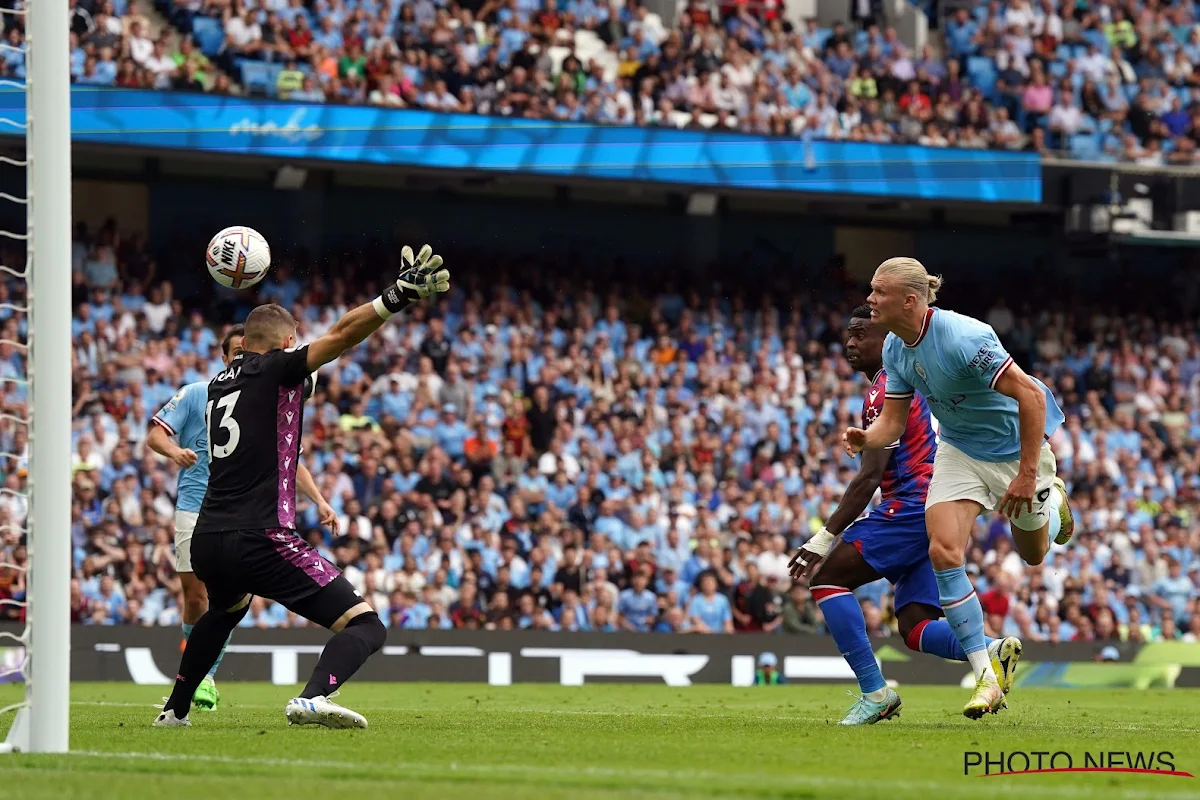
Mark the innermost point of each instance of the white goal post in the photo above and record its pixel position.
(42, 722)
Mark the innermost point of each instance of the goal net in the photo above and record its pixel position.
(35, 399)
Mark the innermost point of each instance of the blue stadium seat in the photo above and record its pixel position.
(256, 77)
(980, 64)
(210, 36)
(1097, 38)
(1084, 145)
(1058, 69)
(273, 70)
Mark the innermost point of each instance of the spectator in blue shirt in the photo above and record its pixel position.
(108, 602)
(708, 611)
(637, 605)
(960, 34)
(452, 433)
(328, 36)
(1172, 593)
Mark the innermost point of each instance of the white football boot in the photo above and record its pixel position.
(322, 711)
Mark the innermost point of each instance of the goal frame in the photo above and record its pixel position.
(43, 725)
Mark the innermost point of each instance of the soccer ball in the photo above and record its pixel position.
(238, 257)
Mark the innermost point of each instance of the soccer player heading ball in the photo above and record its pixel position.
(994, 422)
(245, 540)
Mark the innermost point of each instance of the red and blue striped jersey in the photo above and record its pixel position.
(906, 478)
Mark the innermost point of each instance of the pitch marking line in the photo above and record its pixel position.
(730, 714)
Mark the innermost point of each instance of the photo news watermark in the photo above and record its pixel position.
(990, 764)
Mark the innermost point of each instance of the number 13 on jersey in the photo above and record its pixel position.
(225, 407)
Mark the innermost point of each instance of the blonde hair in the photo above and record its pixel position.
(912, 275)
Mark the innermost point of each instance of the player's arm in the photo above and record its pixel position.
(984, 359)
(308, 486)
(858, 493)
(860, 490)
(1012, 381)
(160, 442)
(889, 427)
(163, 426)
(421, 277)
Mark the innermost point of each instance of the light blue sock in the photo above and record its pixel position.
(844, 618)
(937, 638)
(963, 612)
(212, 673)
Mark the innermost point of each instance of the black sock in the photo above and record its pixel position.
(204, 645)
(345, 653)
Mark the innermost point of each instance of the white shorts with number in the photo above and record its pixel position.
(957, 476)
(185, 523)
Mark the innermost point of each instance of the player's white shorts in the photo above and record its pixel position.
(957, 476)
(185, 523)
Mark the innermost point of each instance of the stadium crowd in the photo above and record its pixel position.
(538, 454)
(1104, 81)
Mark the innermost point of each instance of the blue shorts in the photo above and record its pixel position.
(896, 546)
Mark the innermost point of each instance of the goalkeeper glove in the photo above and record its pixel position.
(421, 276)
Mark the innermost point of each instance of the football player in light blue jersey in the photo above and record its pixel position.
(182, 418)
(995, 421)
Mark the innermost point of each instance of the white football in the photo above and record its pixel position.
(238, 257)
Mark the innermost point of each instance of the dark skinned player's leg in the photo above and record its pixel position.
(919, 613)
(843, 571)
(912, 619)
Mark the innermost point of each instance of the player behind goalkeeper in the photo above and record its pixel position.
(888, 543)
(245, 542)
(994, 422)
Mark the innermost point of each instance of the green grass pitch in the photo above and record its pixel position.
(601, 741)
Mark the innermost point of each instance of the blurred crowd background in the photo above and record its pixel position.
(550, 449)
(1103, 81)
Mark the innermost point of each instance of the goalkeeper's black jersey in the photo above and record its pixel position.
(254, 417)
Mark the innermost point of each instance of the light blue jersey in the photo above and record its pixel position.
(955, 364)
(183, 418)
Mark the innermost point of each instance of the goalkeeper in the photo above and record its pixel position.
(245, 542)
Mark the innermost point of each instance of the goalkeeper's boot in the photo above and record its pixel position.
(868, 712)
(987, 699)
(322, 711)
(1067, 530)
(167, 719)
(1005, 653)
(206, 696)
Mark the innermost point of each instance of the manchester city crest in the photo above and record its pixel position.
(921, 372)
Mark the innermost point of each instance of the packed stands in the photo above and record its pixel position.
(1111, 81)
(539, 454)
